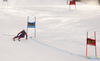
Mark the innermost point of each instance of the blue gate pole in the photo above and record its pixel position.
(35, 29)
(27, 24)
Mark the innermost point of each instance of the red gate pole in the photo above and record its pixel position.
(95, 52)
(95, 44)
(69, 4)
(69, 7)
(86, 50)
(75, 4)
(86, 45)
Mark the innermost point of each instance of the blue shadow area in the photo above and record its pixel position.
(63, 50)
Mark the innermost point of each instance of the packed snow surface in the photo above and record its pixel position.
(60, 33)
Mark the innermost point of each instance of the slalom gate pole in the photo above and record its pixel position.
(67, 1)
(27, 23)
(86, 45)
(95, 44)
(35, 29)
(92, 42)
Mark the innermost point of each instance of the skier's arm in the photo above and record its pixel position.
(18, 33)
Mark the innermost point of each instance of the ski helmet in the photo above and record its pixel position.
(23, 30)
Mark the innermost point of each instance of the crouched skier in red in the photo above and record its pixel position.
(20, 35)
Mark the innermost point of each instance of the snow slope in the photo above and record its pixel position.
(28, 3)
(61, 33)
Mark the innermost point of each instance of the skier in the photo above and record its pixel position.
(20, 35)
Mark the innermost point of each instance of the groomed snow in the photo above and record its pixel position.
(61, 33)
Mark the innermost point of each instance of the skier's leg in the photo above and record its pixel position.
(19, 38)
(14, 38)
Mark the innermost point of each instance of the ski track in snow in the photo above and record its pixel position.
(57, 28)
(63, 50)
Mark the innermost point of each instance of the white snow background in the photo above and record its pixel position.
(60, 33)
